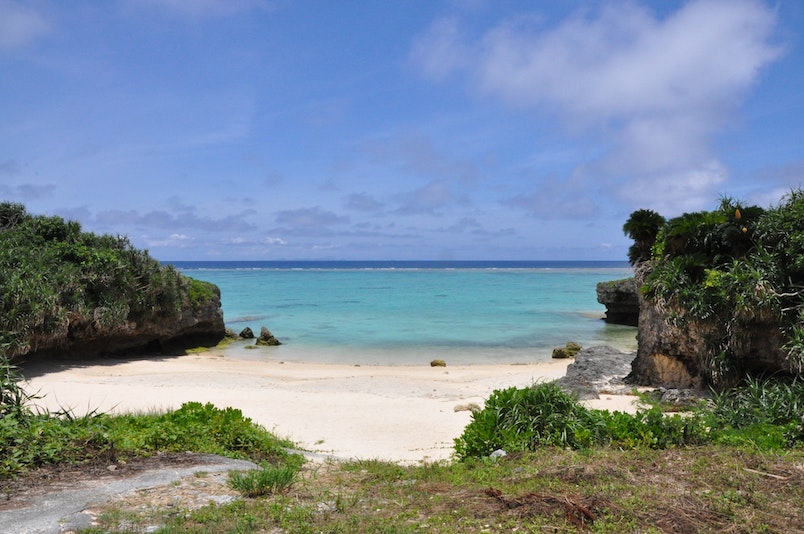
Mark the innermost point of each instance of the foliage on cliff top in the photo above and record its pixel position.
(54, 276)
(731, 269)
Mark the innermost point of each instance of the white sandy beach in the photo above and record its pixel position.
(398, 413)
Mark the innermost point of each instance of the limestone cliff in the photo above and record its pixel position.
(198, 323)
(621, 301)
(67, 292)
(676, 355)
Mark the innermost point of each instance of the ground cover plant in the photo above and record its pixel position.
(31, 438)
(678, 490)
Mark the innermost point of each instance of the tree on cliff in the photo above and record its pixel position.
(642, 226)
(59, 285)
(733, 275)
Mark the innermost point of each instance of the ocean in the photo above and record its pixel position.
(411, 312)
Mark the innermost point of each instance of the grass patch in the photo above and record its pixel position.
(713, 488)
(264, 481)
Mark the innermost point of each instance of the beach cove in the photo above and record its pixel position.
(399, 413)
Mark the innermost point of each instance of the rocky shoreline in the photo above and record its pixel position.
(607, 370)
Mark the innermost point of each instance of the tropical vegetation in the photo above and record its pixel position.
(31, 438)
(56, 279)
(766, 414)
(725, 272)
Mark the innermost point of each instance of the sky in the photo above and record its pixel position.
(395, 130)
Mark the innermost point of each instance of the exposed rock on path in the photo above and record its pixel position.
(64, 502)
(598, 369)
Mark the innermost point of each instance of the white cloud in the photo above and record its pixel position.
(175, 240)
(441, 50)
(20, 25)
(671, 194)
(626, 63)
(653, 91)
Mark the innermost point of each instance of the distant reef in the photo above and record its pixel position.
(68, 293)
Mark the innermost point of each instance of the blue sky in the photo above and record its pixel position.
(416, 129)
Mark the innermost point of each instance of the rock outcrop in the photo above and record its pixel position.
(267, 338)
(621, 299)
(570, 350)
(675, 356)
(595, 370)
(195, 324)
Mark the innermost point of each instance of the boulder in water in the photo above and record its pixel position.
(267, 338)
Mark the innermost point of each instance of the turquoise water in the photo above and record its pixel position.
(410, 312)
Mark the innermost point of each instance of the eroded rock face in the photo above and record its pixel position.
(620, 297)
(595, 370)
(666, 356)
(675, 356)
(193, 326)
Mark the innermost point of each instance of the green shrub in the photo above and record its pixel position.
(200, 428)
(520, 419)
(652, 428)
(770, 411)
(13, 397)
(36, 439)
(763, 414)
(201, 292)
(264, 481)
(31, 438)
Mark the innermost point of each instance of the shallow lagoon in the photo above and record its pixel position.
(412, 312)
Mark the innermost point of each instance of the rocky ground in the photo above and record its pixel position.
(66, 498)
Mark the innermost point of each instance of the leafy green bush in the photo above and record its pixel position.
(520, 419)
(41, 439)
(763, 413)
(14, 400)
(651, 428)
(769, 411)
(197, 427)
(29, 438)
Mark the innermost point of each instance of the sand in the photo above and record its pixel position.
(405, 414)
